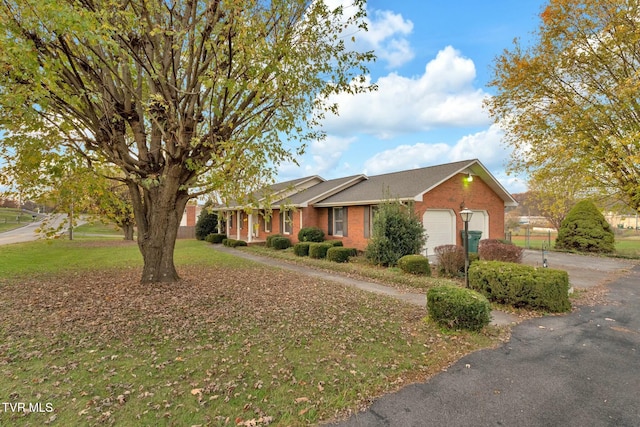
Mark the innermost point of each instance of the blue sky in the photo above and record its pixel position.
(434, 62)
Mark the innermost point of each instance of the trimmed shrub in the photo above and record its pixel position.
(415, 264)
(270, 239)
(319, 250)
(340, 254)
(310, 234)
(301, 248)
(280, 243)
(497, 250)
(215, 238)
(458, 308)
(233, 243)
(334, 242)
(450, 259)
(521, 285)
(584, 229)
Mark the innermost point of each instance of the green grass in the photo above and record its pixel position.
(95, 229)
(232, 342)
(13, 218)
(626, 246)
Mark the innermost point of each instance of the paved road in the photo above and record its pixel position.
(29, 232)
(580, 369)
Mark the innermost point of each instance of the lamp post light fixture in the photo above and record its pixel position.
(466, 215)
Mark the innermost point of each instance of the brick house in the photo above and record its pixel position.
(344, 208)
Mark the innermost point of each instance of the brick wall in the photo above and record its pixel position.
(475, 195)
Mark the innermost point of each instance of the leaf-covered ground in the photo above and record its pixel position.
(237, 345)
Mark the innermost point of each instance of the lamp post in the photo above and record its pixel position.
(466, 215)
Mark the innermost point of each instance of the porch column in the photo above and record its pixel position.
(238, 224)
(250, 226)
(228, 222)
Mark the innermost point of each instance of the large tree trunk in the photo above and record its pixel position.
(128, 229)
(158, 211)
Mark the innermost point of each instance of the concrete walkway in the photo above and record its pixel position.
(499, 318)
(584, 272)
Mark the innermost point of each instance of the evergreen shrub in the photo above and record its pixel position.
(340, 254)
(415, 264)
(397, 232)
(458, 308)
(520, 285)
(310, 234)
(301, 248)
(270, 238)
(319, 250)
(280, 243)
(215, 238)
(585, 229)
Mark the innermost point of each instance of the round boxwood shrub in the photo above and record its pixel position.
(584, 229)
(310, 234)
(215, 238)
(458, 308)
(334, 242)
(415, 264)
(319, 250)
(340, 254)
(280, 243)
(270, 239)
(301, 248)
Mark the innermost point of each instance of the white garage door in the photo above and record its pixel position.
(480, 222)
(441, 228)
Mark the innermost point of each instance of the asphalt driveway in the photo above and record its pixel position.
(579, 369)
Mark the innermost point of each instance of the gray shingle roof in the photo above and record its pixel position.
(412, 184)
(319, 191)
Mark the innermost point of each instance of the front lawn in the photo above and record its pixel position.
(233, 343)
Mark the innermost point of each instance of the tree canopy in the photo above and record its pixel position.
(569, 102)
(185, 97)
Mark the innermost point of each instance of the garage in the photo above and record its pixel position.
(440, 225)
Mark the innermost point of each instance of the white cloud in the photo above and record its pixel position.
(386, 34)
(443, 96)
(485, 146)
(326, 154)
(386, 37)
(405, 157)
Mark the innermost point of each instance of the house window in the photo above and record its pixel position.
(338, 222)
(240, 219)
(267, 224)
(287, 222)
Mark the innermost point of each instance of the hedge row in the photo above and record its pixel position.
(329, 249)
(521, 285)
(215, 238)
(233, 243)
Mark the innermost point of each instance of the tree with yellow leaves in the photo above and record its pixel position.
(569, 103)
